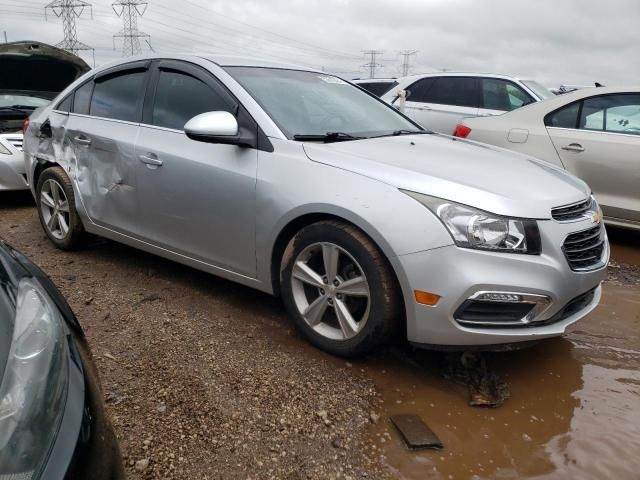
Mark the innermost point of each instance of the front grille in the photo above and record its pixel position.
(584, 249)
(16, 141)
(574, 211)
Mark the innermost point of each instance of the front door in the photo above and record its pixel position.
(604, 151)
(196, 198)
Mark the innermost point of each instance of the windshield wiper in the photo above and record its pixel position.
(19, 108)
(397, 133)
(327, 137)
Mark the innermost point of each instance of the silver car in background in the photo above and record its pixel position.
(300, 184)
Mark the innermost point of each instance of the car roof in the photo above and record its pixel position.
(220, 60)
(459, 74)
(373, 80)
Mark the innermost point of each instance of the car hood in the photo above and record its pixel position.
(37, 68)
(482, 176)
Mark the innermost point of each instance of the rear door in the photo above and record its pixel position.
(198, 198)
(103, 131)
(439, 103)
(498, 96)
(598, 139)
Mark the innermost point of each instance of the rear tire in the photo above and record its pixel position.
(340, 290)
(57, 209)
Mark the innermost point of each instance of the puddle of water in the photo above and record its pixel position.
(574, 410)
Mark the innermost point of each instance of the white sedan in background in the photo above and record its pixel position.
(593, 133)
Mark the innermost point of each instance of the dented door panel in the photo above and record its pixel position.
(105, 176)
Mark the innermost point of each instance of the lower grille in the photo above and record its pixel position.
(584, 249)
(571, 212)
(492, 313)
(574, 306)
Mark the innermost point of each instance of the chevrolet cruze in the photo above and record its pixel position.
(300, 184)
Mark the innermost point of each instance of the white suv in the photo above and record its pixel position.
(438, 101)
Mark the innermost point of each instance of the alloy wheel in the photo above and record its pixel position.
(54, 207)
(331, 291)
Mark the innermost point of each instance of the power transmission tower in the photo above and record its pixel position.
(129, 10)
(70, 11)
(372, 65)
(406, 61)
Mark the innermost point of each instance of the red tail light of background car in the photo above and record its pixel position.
(461, 131)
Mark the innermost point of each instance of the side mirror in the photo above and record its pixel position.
(214, 127)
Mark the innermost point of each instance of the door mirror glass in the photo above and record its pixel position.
(214, 127)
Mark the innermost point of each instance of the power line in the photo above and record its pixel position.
(372, 65)
(129, 10)
(406, 59)
(70, 11)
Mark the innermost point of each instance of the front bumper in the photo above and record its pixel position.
(12, 168)
(457, 274)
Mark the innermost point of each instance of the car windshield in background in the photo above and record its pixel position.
(22, 100)
(540, 90)
(305, 104)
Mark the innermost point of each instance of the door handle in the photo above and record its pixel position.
(151, 159)
(424, 108)
(573, 147)
(81, 140)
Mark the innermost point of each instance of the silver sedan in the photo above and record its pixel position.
(298, 183)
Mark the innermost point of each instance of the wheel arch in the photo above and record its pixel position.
(298, 222)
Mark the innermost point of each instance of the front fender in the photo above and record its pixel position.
(394, 221)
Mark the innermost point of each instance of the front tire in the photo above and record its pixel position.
(57, 209)
(340, 290)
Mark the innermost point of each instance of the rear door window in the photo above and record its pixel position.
(566, 117)
(180, 97)
(82, 98)
(118, 96)
(458, 91)
(65, 105)
(503, 95)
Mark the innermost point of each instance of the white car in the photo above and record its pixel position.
(32, 73)
(593, 133)
(438, 101)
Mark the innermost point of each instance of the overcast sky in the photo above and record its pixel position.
(554, 42)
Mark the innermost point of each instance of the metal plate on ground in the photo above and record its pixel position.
(415, 433)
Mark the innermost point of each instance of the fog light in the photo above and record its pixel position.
(426, 298)
(499, 297)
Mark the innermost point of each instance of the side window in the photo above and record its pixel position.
(117, 96)
(502, 95)
(180, 97)
(82, 98)
(420, 89)
(459, 91)
(65, 105)
(612, 113)
(566, 117)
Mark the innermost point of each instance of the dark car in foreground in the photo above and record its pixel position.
(52, 420)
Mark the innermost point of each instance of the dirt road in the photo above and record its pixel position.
(207, 379)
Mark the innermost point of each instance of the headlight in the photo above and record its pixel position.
(4, 150)
(33, 390)
(473, 228)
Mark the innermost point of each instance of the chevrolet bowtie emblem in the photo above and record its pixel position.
(596, 217)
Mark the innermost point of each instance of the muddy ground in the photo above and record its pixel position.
(206, 379)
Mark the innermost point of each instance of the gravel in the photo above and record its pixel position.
(204, 378)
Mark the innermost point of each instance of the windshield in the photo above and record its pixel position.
(22, 100)
(307, 103)
(540, 90)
